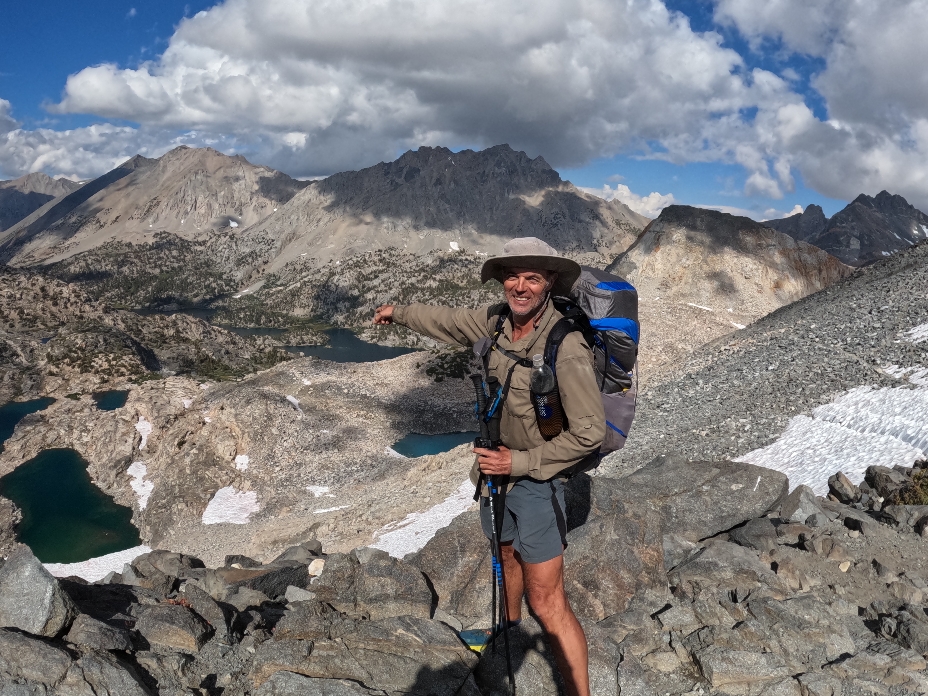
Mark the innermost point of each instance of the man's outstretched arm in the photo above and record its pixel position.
(447, 324)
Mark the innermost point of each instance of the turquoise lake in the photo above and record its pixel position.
(111, 400)
(417, 445)
(65, 517)
(344, 346)
(14, 411)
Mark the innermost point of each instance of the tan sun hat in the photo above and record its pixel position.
(531, 252)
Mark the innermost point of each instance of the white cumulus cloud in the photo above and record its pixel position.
(317, 86)
(650, 205)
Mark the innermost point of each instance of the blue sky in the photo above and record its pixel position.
(741, 106)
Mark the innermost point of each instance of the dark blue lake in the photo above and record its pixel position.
(417, 445)
(111, 400)
(14, 411)
(344, 346)
(65, 517)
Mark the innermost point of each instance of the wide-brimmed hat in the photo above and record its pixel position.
(531, 252)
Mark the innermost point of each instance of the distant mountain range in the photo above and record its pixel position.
(187, 192)
(867, 230)
(724, 262)
(20, 197)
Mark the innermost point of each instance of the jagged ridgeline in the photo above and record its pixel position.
(196, 227)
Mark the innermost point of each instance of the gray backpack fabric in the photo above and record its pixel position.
(604, 308)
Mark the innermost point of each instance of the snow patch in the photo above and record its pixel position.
(233, 224)
(296, 404)
(317, 490)
(708, 309)
(204, 386)
(138, 471)
(187, 402)
(241, 462)
(417, 528)
(389, 451)
(454, 246)
(306, 382)
(144, 429)
(916, 334)
(97, 568)
(863, 427)
(340, 507)
(736, 325)
(231, 506)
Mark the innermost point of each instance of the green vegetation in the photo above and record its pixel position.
(914, 493)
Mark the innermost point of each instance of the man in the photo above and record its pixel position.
(533, 524)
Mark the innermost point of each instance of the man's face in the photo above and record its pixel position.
(526, 288)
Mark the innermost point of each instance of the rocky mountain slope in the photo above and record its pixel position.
(435, 199)
(21, 197)
(302, 447)
(53, 337)
(701, 274)
(867, 230)
(756, 593)
(189, 192)
(795, 368)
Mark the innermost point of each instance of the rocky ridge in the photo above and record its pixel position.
(739, 394)
(303, 446)
(21, 197)
(701, 274)
(189, 192)
(743, 589)
(53, 337)
(435, 199)
(868, 229)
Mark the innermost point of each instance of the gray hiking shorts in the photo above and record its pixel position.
(534, 519)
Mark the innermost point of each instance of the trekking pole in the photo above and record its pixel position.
(488, 416)
(497, 496)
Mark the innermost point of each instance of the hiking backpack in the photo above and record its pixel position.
(604, 308)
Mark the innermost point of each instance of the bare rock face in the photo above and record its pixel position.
(374, 584)
(30, 598)
(21, 197)
(868, 229)
(431, 197)
(174, 627)
(700, 499)
(187, 191)
(722, 261)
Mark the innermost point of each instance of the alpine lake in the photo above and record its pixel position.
(67, 519)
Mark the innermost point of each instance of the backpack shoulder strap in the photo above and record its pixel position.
(573, 320)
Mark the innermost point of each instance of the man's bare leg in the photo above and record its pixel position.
(512, 571)
(544, 585)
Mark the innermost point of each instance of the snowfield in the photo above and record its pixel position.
(231, 506)
(417, 528)
(97, 568)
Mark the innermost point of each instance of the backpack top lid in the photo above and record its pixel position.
(609, 302)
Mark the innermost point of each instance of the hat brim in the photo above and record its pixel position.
(567, 270)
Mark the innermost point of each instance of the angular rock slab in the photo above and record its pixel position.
(725, 566)
(616, 554)
(31, 599)
(457, 563)
(381, 587)
(700, 499)
(401, 654)
(173, 626)
(291, 684)
(533, 663)
(96, 634)
(23, 657)
(101, 674)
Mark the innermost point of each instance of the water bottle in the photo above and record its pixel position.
(546, 399)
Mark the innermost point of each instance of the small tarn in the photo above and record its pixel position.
(66, 518)
(111, 400)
